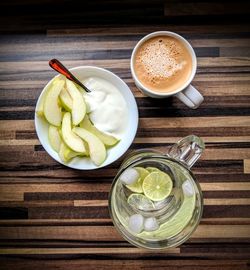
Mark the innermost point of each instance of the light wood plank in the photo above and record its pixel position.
(201, 122)
(223, 201)
(226, 154)
(222, 231)
(108, 233)
(19, 142)
(90, 203)
(17, 125)
(11, 195)
(142, 140)
(247, 166)
(225, 186)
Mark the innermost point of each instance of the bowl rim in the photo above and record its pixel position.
(132, 129)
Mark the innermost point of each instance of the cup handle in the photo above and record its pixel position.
(187, 150)
(191, 97)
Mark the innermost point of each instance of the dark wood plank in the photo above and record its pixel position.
(79, 263)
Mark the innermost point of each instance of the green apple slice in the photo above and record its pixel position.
(39, 110)
(51, 108)
(66, 154)
(70, 138)
(97, 149)
(61, 152)
(78, 104)
(108, 140)
(69, 154)
(86, 153)
(54, 138)
(66, 100)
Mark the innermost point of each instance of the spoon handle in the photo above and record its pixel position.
(59, 67)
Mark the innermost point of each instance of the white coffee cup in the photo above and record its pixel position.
(186, 93)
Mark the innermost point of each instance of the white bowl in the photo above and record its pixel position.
(115, 152)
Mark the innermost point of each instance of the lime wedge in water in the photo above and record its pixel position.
(157, 186)
(137, 186)
(140, 202)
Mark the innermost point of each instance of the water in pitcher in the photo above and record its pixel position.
(155, 200)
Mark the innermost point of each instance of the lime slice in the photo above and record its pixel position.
(137, 186)
(157, 186)
(140, 202)
(152, 169)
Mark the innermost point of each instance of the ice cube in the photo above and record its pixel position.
(129, 176)
(135, 223)
(151, 224)
(188, 188)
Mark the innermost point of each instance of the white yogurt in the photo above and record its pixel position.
(107, 108)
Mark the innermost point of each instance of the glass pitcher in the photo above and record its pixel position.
(155, 201)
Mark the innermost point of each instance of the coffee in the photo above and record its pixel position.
(163, 64)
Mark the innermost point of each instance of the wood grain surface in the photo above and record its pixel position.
(53, 217)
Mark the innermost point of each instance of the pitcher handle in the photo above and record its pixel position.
(187, 150)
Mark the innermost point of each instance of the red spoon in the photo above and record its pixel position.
(59, 67)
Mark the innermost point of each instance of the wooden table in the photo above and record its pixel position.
(53, 217)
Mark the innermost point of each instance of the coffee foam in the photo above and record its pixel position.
(161, 60)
